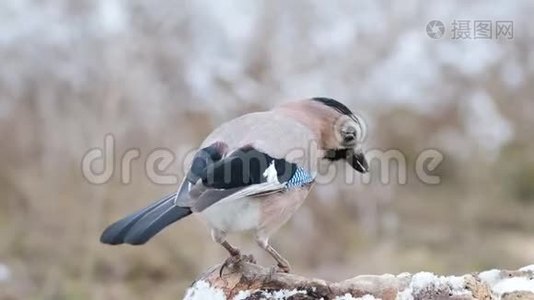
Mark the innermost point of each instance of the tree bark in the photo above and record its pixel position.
(250, 281)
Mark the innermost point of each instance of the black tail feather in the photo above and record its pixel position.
(139, 227)
(154, 222)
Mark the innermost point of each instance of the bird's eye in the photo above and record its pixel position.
(349, 130)
(349, 134)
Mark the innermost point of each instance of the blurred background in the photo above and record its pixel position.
(163, 74)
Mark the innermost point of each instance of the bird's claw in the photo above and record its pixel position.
(284, 269)
(235, 260)
(279, 268)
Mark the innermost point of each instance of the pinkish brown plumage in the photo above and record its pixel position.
(252, 173)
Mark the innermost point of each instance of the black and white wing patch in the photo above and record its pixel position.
(246, 172)
(245, 167)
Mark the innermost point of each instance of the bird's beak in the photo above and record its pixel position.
(357, 160)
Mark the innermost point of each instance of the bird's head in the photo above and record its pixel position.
(340, 132)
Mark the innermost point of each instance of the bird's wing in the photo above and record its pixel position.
(212, 196)
(245, 172)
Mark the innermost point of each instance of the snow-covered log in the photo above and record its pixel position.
(250, 281)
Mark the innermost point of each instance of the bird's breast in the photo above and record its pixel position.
(277, 209)
(266, 213)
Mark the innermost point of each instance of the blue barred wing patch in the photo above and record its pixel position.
(300, 178)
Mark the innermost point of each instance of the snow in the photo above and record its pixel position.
(350, 297)
(498, 281)
(202, 290)
(423, 281)
(490, 277)
(529, 268)
(514, 284)
(275, 295)
(242, 295)
(282, 294)
(501, 283)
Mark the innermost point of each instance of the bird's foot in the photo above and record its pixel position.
(279, 268)
(235, 261)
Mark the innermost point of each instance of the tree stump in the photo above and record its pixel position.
(247, 281)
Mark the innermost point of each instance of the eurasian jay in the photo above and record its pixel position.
(252, 173)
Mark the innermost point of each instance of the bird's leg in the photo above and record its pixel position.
(220, 237)
(235, 255)
(282, 263)
(232, 250)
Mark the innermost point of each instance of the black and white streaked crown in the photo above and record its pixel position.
(340, 107)
(344, 110)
